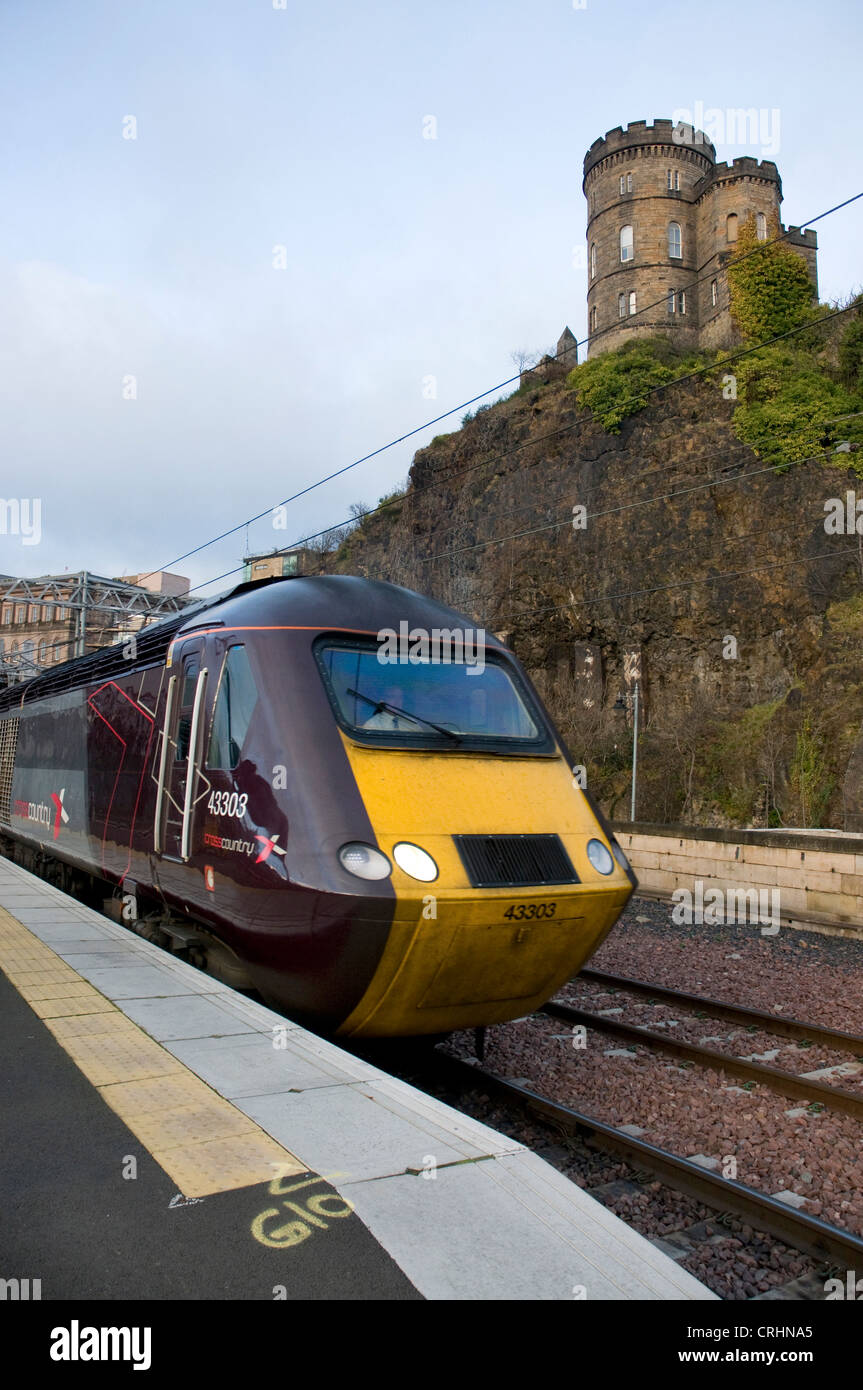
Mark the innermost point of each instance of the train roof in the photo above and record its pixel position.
(336, 601)
(329, 601)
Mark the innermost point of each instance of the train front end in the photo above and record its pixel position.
(503, 880)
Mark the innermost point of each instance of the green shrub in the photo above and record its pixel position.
(769, 285)
(618, 384)
(851, 351)
(786, 405)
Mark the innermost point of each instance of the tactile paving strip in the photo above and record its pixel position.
(201, 1141)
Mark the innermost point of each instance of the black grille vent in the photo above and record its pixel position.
(515, 861)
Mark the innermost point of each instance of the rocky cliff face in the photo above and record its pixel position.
(691, 567)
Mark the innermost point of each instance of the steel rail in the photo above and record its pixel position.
(732, 1013)
(768, 1214)
(798, 1087)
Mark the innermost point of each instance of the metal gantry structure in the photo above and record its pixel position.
(117, 603)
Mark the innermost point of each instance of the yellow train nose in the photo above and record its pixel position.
(479, 944)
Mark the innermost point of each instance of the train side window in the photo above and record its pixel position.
(235, 705)
(191, 666)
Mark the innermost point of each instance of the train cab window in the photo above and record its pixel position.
(440, 703)
(191, 667)
(235, 705)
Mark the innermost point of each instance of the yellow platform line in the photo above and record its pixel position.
(202, 1141)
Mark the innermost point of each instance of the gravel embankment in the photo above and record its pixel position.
(757, 1135)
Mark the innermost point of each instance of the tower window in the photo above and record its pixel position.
(681, 302)
(675, 245)
(714, 293)
(672, 300)
(674, 180)
(731, 226)
(632, 301)
(626, 249)
(621, 306)
(626, 183)
(761, 227)
(593, 261)
(593, 319)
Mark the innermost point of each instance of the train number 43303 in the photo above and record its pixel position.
(228, 803)
(519, 912)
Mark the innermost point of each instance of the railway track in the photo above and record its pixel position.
(758, 1073)
(731, 1013)
(769, 1215)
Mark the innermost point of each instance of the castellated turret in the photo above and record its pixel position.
(662, 225)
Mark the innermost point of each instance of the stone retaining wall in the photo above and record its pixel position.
(819, 874)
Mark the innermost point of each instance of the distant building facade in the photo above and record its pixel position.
(277, 564)
(662, 224)
(159, 582)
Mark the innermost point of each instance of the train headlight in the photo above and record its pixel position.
(620, 856)
(600, 857)
(415, 862)
(363, 861)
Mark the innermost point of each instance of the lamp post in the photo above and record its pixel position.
(620, 704)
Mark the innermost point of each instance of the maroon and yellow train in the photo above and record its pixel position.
(330, 789)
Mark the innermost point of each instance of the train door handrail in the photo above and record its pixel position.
(192, 774)
(163, 763)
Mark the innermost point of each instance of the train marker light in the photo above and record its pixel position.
(620, 856)
(363, 861)
(599, 857)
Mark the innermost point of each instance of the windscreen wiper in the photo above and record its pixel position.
(395, 709)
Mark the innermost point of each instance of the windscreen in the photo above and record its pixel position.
(442, 701)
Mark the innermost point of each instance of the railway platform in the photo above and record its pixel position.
(164, 1137)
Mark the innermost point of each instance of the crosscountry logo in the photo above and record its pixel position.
(61, 813)
(269, 847)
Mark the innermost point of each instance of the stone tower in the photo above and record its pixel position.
(662, 223)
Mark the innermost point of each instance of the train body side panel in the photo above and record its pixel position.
(50, 786)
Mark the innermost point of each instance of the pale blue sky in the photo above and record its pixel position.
(406, 257)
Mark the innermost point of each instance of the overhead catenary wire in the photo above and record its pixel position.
(637, 398)
(400, 439)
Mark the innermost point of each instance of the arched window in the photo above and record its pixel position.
(626, 245)
(671, 301)
(621, 305)
(593, 261)
(593, 319)
(632, 301)
(675, 241)
(731, 226)
(761, 227)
